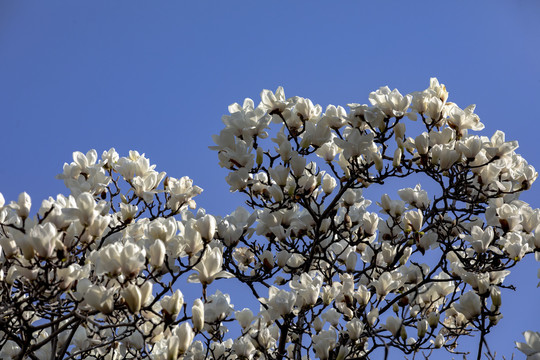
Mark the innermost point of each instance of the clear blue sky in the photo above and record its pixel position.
(157, 77)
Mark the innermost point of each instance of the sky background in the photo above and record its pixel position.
(157, 77)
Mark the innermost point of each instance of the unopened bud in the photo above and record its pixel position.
(422, 328)
(403, 333)
(439, 341)
(399, 131)
(433, 319)
(496, 296)
(259, 158)
(397, 157)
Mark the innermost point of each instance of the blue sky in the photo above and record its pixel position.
(157, 77)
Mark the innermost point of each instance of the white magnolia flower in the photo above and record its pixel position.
(181, 192)
(439, 341)
(172, 305)
(355, 327)
(243, 347)
(392, 103)
(531, 346)
(217, 307)
(133, 297)
(273, 102)
(308, 288)
(393, 325)
(413, 220)
(43, 239)
(185, 337)
(156, 254)
(209, 267)
(480, 239)
(416, 197)
(244, 317)
(469, 305)
(323, 343)
(331, 316)
(23, 205)
(280, 302)
(462, 119)
(384, 285)
(328, 183)
(100, 298)
(422, 327)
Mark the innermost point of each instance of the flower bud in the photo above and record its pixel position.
(422, 143)
(378, 161)
(259, 158)
(146, 292)
(496, 296)
(372, 316)
(206, 226)
(397, 157)
(197, 315)
(172, 347)
(403, 333)
(422, 326)
(350, 263)
(298, 164)
(185, 337)
(156, 254)
(399, 130)
(318, 324)
(433, 319)
(24, 204)
(439, 341)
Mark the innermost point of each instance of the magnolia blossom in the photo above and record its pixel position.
(280, 302)
(323, 343)
(209, 268)
(384, 284)
(102, 271)
(469, 305)
(531, 346)
(185, 337)
(393, 325)
(172, 304)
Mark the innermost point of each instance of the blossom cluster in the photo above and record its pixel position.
(99, 273)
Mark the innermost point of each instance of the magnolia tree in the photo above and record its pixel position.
(99, 273)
